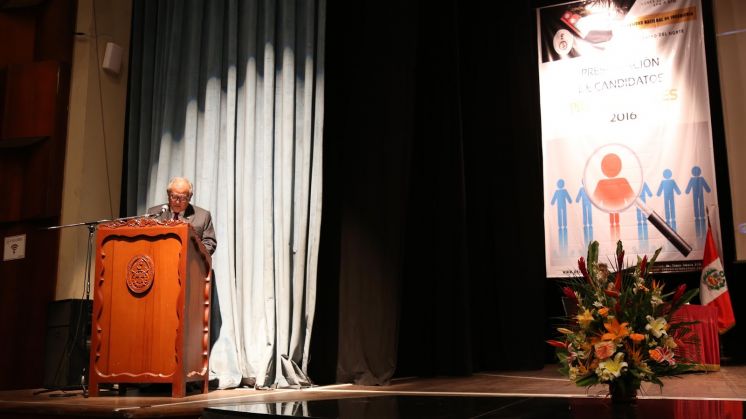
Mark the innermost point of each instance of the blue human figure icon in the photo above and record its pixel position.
(587, 215)
(669, 189)
(561, 198)
(642, 219)
(697, 186)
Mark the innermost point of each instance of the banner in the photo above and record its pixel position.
(626, 134)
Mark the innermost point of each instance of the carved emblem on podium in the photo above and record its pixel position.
(140, 274)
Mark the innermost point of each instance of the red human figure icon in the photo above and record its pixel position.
(614, 193)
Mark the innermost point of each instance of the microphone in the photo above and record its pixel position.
(164, 207)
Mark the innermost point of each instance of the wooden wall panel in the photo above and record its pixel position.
(3, 76)
(32, 141)
(20, 27)
(24, 295)
(30, 99)
(55, 21)
(13, 162)
(34, 96)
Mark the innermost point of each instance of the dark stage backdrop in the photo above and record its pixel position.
(431, 258)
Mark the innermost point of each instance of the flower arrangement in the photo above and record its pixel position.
(623, 332)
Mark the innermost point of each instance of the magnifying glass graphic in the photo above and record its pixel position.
(613, 179)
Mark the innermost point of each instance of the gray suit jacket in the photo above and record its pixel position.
(199, 218)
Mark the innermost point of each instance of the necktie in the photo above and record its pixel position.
(176, 216)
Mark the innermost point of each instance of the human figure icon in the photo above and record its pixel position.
(614, 193)
(697, 186)
(582, 197)
(561, 198)
(669, 189)
(642, 219)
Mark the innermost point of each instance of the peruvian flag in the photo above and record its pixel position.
(712, 287)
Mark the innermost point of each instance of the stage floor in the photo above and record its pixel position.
(543, 393)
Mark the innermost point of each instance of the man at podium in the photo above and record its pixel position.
(179, 193)
(153, 301)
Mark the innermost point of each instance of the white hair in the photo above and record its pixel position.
(178, 179)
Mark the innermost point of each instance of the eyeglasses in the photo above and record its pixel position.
(178, 197)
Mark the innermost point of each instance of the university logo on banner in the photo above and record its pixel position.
(626, 132)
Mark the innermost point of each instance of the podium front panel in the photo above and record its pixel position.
(140, 328)
(150, 321)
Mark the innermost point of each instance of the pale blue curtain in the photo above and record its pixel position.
(229, 94)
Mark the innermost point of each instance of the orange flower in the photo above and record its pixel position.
(582, 369)
(603, 311)
(637, 337)
(656, 286)
(604, 350)
(635, 355)
(615, 330)
(661, 355)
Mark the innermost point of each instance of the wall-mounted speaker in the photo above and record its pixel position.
(112, 58)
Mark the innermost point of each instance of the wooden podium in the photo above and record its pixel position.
(151, 306)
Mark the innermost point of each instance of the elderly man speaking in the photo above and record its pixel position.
(179, 193)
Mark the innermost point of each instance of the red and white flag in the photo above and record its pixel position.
(712, 286)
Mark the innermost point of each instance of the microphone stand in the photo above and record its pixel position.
(92, 226)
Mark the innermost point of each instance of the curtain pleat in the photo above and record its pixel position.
(229, 94)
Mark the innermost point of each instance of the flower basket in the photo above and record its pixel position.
(622, 333)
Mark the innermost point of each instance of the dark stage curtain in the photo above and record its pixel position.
(473, 295)
(432, 256)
